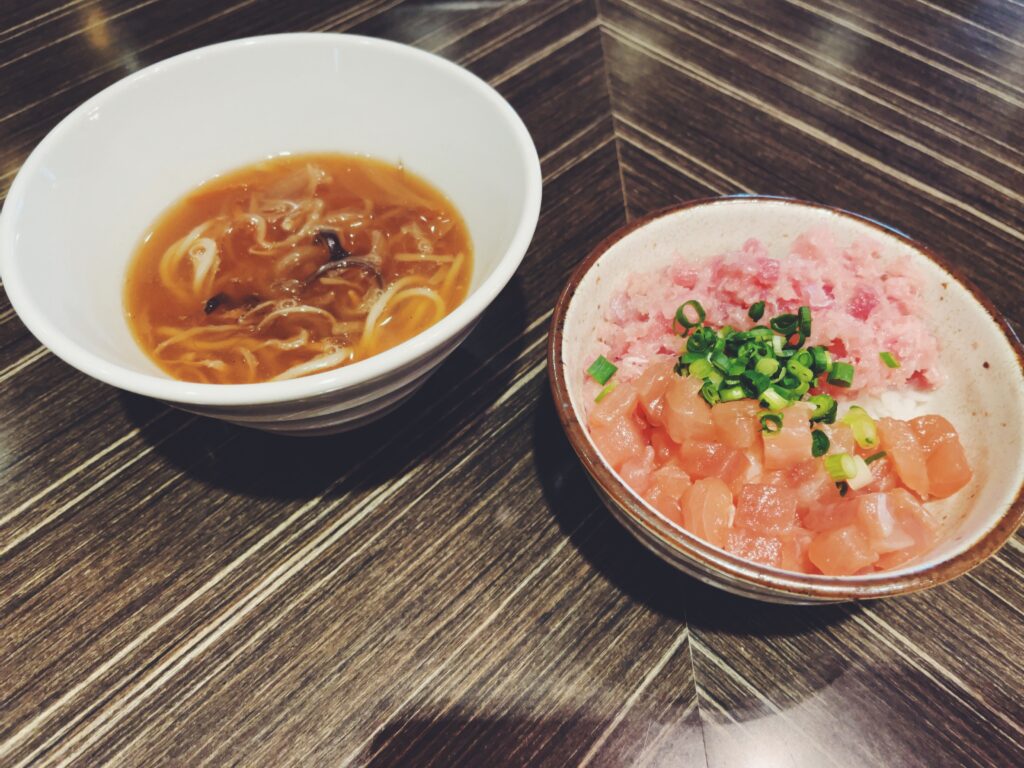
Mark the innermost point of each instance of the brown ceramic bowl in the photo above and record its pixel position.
(978, 520)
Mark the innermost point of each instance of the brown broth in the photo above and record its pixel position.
(251, 312)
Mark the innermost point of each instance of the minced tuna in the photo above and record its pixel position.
(863, 304)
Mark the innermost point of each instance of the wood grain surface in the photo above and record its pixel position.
(176, 591)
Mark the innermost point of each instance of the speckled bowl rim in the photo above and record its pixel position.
(669, 542)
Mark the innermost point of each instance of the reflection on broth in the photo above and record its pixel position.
(294, 266)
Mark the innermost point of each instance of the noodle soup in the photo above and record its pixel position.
(294, 266)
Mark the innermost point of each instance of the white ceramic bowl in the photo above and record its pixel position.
(984, 397)
(83, 198)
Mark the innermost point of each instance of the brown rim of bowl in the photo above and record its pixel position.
(673, 539)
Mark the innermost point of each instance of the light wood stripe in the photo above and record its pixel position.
(838, 106)
(351, 16)
(539, 56)
(19, 365)
(732, 185)
(702, 75)
(649, 678)
(39, 523)
(105, 19)
(699, 647)
(75, 471)
(1012, 607)
(952, 683)
(9, 33)
(970, 22)
(550, 10)
(93, 74)
(931, 62)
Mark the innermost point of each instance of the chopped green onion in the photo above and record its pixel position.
(715, 377)
(804, 320)
(766, 366)
(862, 477)
(736, 368)
(796, 340)
(689, 358)
(710, 393)
(843, 488)
(757, 382)
(840, 466)
(803, 373)
(756, 311)
(701, 368)
(821, 360)
(841, 375)
(702, 340)
(728, 394)
(874, 457)
(889, 359)
(805, 358)
(863, 426)
(684, 321)
(785, 324)
(721, 361)
(819, 443)
(760, 333)
(825, 408)
(601, 369)
(608, 389)
(771, 399)
(770, 422)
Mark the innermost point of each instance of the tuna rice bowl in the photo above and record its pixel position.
(775, 404)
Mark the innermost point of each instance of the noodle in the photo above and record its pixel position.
(295, 266)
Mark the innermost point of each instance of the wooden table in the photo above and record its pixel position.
(444, 587)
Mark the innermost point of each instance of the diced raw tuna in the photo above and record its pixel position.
(840, 438)
(812, 484)
(876, 516)
(666, 489)
(900, 444)
(791, 444)
(793, 551)
(651, 386)
(619, 441)
(829, 517)
(884, 476)
(842, 551)
(765, 498)
(916, 521)
(736, 423)
(707, 510)
(687, 416)
(621, 401)
(766, 510)
(666, 450)
(712, 460)
(636, 470)
(761, 549)
(945, 459)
